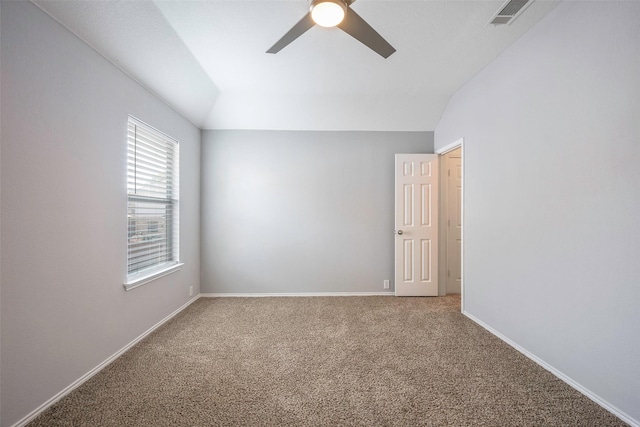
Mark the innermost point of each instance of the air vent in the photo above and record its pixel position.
(509, 11)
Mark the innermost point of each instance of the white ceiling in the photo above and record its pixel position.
(207, 58)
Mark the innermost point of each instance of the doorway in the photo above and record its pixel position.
(452, 213)
(452, 161)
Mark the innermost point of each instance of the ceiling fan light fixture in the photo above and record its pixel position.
(328, 13)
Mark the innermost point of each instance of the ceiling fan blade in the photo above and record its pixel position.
(358, 28)
(296, 31)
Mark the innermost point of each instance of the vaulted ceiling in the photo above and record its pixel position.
(207, 58)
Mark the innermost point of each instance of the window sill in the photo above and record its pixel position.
(132, 284)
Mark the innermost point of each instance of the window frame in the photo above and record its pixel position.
(170, 202)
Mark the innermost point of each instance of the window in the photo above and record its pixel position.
(152, 204)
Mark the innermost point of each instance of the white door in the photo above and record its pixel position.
(416, 225)
(453, 208)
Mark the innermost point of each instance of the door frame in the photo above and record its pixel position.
(442, 290)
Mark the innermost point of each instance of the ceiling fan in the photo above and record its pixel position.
(336, 13)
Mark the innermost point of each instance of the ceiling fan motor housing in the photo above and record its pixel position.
(328, 13)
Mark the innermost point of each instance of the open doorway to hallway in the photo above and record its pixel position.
(451, 252)
(452, 161)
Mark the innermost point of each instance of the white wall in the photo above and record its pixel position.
(288, 211)
(64, 227)
(552, 195)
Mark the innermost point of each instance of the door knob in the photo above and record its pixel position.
(399, 231)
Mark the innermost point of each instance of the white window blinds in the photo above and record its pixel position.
(152, 207)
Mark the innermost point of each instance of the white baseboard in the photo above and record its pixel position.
(77, 383)
(295, 294)
(597, 399)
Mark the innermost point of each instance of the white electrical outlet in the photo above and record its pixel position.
(386, 284)
(190, 291)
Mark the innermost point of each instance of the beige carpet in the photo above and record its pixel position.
(324, 361)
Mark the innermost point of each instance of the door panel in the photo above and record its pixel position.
(416, 239)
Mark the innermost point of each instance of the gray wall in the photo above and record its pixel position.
(64, 227)
(286, 211)
(552, 195)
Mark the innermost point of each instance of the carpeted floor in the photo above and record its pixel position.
(324, 361)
